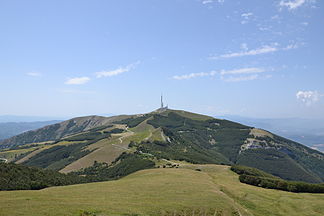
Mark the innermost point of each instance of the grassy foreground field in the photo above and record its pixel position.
(214, 190)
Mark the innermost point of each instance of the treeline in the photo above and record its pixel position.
(93, 135)
(20, 177)
(259, 178)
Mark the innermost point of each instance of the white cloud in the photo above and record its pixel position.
(115, 72)
(291, 5)
(308, 97)
(34, 74)
(77, 80)
(227, 75)
(262, 50)
(246, 15)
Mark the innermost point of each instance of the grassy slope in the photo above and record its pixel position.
(162, 192)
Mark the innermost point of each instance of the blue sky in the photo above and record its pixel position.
(218, 57)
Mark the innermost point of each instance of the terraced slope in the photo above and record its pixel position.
(214, 190)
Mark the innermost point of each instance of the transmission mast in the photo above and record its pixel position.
(162, 101)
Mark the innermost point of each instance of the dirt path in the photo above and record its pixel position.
(103, 151)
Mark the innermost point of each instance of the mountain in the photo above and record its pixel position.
(104, 146)
(9, 129)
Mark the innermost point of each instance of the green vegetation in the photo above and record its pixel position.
(277, 163)
(93, 134)
(215, 190)
(191, 140)
(88, 136)
(244, 170)
(57, 157)
(124, 165)
(259, 178)
(19, 177)
(47, 133)
(134, 121)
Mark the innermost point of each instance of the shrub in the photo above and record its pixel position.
(258, 178)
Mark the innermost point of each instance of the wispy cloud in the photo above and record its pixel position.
(291, 5)
(262, 50)
(258, 51)
(194, 75)
(34, 74)
(212, 1)
(116, 72)
(235, 75)
(243, 71)
(308, 97)
(77, 81)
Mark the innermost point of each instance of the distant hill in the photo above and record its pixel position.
(17, 118)
(9, 129)
(104, 146)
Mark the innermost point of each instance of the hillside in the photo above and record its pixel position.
(96, 144)
(9, 129)
(56, 131)
(215, 190)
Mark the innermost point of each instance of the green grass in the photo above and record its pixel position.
(215, 190)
